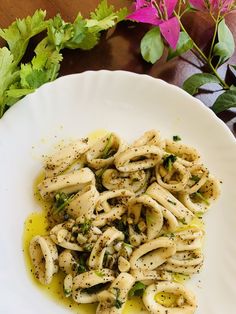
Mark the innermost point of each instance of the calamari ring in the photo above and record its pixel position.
(98, 155)
(199, 203)
(166, 199)
(186, 300)
(64, 157)
(83, 203)
(128, 160)
(154, 216)
(87, 280)
(152, 254)
(73, 181)
(105, 197)
(186, 155)
(167, 181)
(43, 253)
(186, 263)
(97, 255)
(61, 235)
(112, 179)
(119, 289)
(151, 137)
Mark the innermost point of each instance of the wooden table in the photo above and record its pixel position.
(119, 49)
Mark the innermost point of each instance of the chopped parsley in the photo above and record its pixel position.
(99, 273)
(176, 138)
(137, 289)
(108, 151)
(201, 197)
(85, 226)
(183, 221)
(117, 303)
(61, 201)
(168, 162)
(194, 178)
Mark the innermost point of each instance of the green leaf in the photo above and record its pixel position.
(225, 46)
(152, 45)
(18, 34)
(102, 11)
(225, 101)
(9, 75)
(192, 84)
(232, 87)
(31, 78)
(105, 17)
(59, 32)
(168, 161)
(18, 93)
(137, 289)
(89, 41)
(185, 43)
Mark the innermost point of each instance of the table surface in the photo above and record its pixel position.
(119, 49)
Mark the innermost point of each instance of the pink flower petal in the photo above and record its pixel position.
(170, 6)
(145, 15)
(140, 3)
(170, 31)
(198, 4)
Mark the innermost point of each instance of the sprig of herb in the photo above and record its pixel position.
(168, 162)
(137, 289)
(176, 138)
(61, 201)
(85, 226)
(18, 79)
(117, 303)
(195, 178)
(201, 197)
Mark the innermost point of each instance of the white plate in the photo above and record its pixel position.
(128, 104)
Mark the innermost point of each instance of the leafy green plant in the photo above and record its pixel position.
(19, 79)
(166, 16)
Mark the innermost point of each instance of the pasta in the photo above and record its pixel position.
(123, 222)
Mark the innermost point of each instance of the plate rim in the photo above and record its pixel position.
(224, 128)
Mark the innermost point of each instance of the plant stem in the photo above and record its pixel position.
(214, 37)
(202, 54)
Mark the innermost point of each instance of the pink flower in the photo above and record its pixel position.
(158, 14)
(214, 6)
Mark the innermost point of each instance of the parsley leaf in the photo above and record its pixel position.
(176, 138)
(18, 80)
(168, 162)
(117, 303)
(18, 34)
(137, 289)
(85, 226)
(201, 197)
(61, 201)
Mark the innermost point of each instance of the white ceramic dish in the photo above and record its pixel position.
(128, 104)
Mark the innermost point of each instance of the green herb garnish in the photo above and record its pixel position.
(85, 226)
(176, 138)
(201, 197)
(195, 178)
(137, 289)
(99, 273)
(19, 79)
(168, 162)
(117, 303)
(61, 201)
(183, 221)
(107, 150)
